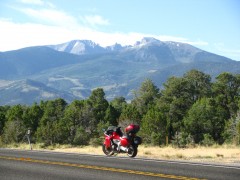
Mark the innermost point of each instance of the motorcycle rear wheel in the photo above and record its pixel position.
(132, 151)
(108, 151)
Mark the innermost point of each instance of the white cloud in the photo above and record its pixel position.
(51, 16)
(197, 43)
(35, 2)
(57, 27)
(19, 35)
(94, 20)
(16, 35)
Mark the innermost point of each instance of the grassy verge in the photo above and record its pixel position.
(225, 153)
(216, 154)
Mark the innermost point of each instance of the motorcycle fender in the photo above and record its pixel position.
(107, 142)
(124, 142)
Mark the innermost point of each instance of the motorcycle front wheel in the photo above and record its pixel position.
(108, 151)
(132, 151)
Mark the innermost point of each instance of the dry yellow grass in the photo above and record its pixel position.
(218, 154)
(203, 154)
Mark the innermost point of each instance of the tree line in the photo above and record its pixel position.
(191, 109)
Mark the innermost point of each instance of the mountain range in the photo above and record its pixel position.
(73, 69)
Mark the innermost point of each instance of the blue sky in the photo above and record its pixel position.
(212, 25)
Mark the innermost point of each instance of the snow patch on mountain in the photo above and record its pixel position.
(76, 44)
(76, 82)
(79, 47)
(5, 83)
(148, 41)
(152, 71)
(45, 94)
(109, 87)
(27, 88)
(115, 47)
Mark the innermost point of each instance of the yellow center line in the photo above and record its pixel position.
(101, 168)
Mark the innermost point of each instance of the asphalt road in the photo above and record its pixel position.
(25, 165)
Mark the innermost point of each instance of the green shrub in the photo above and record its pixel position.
(1, 142)
(81, 137)
(207, 140)
(95, 142)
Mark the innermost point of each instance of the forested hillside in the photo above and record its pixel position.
(188, 109)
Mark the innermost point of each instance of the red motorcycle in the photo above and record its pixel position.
(115, 142)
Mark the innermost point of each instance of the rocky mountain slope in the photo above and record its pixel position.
(71, 70)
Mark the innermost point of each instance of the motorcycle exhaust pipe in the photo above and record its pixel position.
(124, 149)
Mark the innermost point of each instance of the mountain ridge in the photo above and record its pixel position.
(117, 69)
(183, 51)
